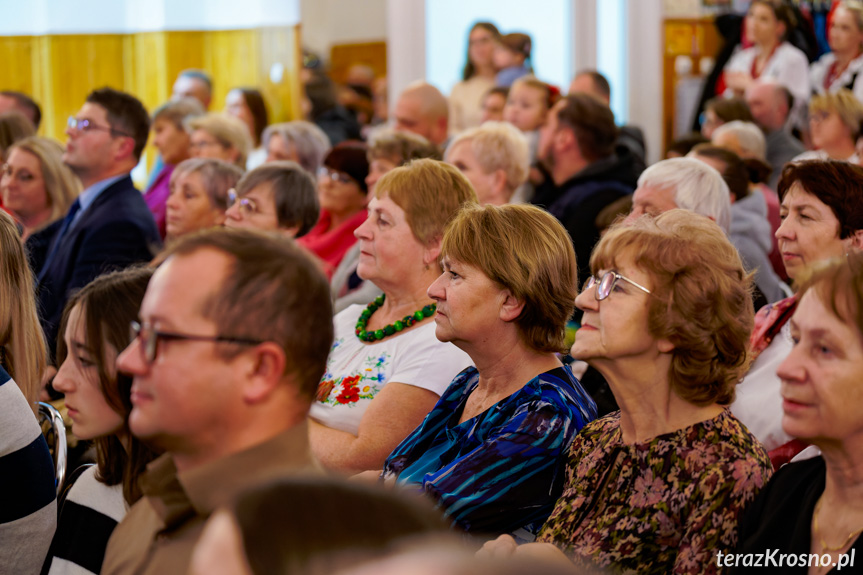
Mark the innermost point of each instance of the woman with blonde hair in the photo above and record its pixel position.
(221, 137)
(842, 67)
(834, 125)
(386, 369)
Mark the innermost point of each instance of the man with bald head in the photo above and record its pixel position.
(423, 110)
(770, 104)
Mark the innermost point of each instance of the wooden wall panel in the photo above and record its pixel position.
(343, 56)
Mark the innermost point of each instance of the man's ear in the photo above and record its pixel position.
(264, 372)
(511, 307)
(124, 148)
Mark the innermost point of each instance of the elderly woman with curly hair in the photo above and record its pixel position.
(658, 487)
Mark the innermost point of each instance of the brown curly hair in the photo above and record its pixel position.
(701, 301)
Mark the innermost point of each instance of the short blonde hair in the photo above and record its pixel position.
(527, 251)
(430, 192)
(701, 298)
(498, 146)
(61, 185)
(400, 147)
(844, 103)
(228, 130)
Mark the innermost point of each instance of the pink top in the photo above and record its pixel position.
(157, 195)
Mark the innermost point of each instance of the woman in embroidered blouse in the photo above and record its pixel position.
(96, 326)
(816, 506)
(768, 24)
(658, 486)
(822, 217)
(386, 369)
(842, 66)
(491, 451)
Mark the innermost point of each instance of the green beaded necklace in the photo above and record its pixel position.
(392, 328)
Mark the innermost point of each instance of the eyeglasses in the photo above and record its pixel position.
(204, 144)
(150, 337)
(248, 206)
(84, 125)
(337, 177)
(606, 284)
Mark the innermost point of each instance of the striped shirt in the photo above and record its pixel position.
(28, 506)
(503, 469)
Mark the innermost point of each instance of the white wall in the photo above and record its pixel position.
(328, 22)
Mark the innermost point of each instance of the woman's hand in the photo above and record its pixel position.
(505, 546)
(500, 548)
(738, 81)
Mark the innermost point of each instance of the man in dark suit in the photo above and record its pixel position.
(109, 226)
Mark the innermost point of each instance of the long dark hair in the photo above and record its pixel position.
(469, 69)
(108, 304)
(258, 107)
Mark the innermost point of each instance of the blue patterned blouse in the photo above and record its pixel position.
(502, 470)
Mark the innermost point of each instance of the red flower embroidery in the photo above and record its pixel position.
(349, 394)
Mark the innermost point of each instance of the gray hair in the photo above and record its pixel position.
(697, 187)
(217, 176)
(498, 146)
(309, 141)
(749, 136)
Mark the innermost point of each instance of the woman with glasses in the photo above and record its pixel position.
(37, 189)
(275, 197)
(199, 195)
(834, 125)
(386, 369)
(98, 401)
(343, 196)
(492, 451)
(658, 487)
(219, 136)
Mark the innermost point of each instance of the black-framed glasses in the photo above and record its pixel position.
(247, 206)
(149, 339)
(606, 284)
(84, 125)
(334, 175)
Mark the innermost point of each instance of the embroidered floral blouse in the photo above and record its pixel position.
(501, 470)
(663, 506)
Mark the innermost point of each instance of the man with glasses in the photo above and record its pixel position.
(233, 337)
(109, 226)
(276, 197)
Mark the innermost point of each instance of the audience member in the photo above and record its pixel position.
(192, 83)
(343, 195)
(767, 25)
(11, 100)
(14, 126)
(28, 504)
(749, 229)
(221, 137)
(276, 197)
(386, 369)
(493, 104)
(629, 137)
(98, 401)
(659, 486)
(527, 105)
(512, 58)
(298, 141)
(244, 324)
(173, 142)
(686, 184)
(491, 452)
(834, 125)
(840, 68)
(719, 110)
(388, 149)
(199, 195)
(495, 159)
(822, 210)
(325, 111)
(38, 189)
(422, 109)
(478, 77)
(747, 141)
(812, 508)
(333, 524)
(577, 143)
(770, 104)
(109, 225)
(248, 105)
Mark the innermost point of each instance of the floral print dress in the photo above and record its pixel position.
(662, 506)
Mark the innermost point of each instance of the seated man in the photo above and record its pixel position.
(109, 226)
(278, 196)
(234, 335)
(423, 110)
